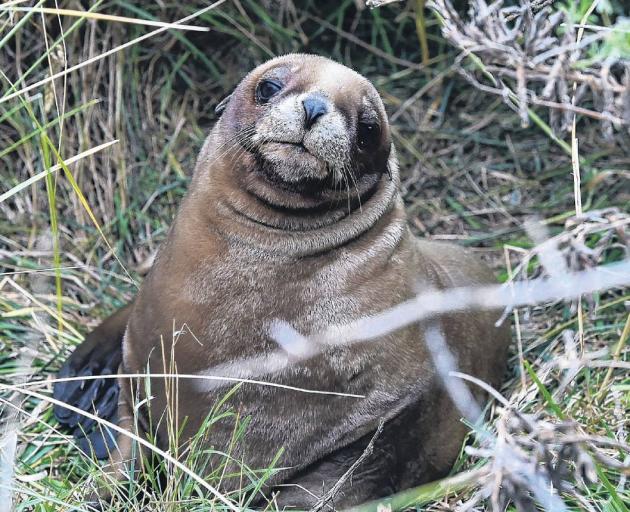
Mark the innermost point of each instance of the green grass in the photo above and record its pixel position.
(470, 173)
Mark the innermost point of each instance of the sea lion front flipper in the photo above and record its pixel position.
(99, 354)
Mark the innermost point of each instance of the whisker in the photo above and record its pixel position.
(356, 187)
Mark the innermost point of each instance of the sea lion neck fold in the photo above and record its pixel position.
(270, 230)
(240, 215)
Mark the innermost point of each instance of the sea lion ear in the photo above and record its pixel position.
(218, 110)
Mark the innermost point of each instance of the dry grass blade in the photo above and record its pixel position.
(99, 16)
(231, 380)
(7, 97)
(33, 179)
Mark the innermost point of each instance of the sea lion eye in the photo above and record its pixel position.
(368, 134)
(266, 89)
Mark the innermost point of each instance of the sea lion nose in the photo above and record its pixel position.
(314, 107)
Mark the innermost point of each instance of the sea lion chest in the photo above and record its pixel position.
(215, 306)
(209, 315)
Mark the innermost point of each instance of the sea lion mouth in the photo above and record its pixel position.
(306, 196)
(292, 163)
(299, 145)
(271, 170)
(290, 145)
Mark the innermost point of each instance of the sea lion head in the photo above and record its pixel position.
(303, 135)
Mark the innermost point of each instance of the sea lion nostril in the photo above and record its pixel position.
(314, 108)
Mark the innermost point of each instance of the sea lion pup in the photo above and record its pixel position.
(294, 213)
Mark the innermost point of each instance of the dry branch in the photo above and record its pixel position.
(529, 55)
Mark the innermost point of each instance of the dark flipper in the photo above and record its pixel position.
(99, 354)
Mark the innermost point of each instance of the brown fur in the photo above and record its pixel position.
(248, 247)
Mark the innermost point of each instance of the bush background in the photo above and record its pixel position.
(471, 173)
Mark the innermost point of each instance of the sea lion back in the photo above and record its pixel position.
(474, 335)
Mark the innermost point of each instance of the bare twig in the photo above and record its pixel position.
(330, 495)
(525, 43)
